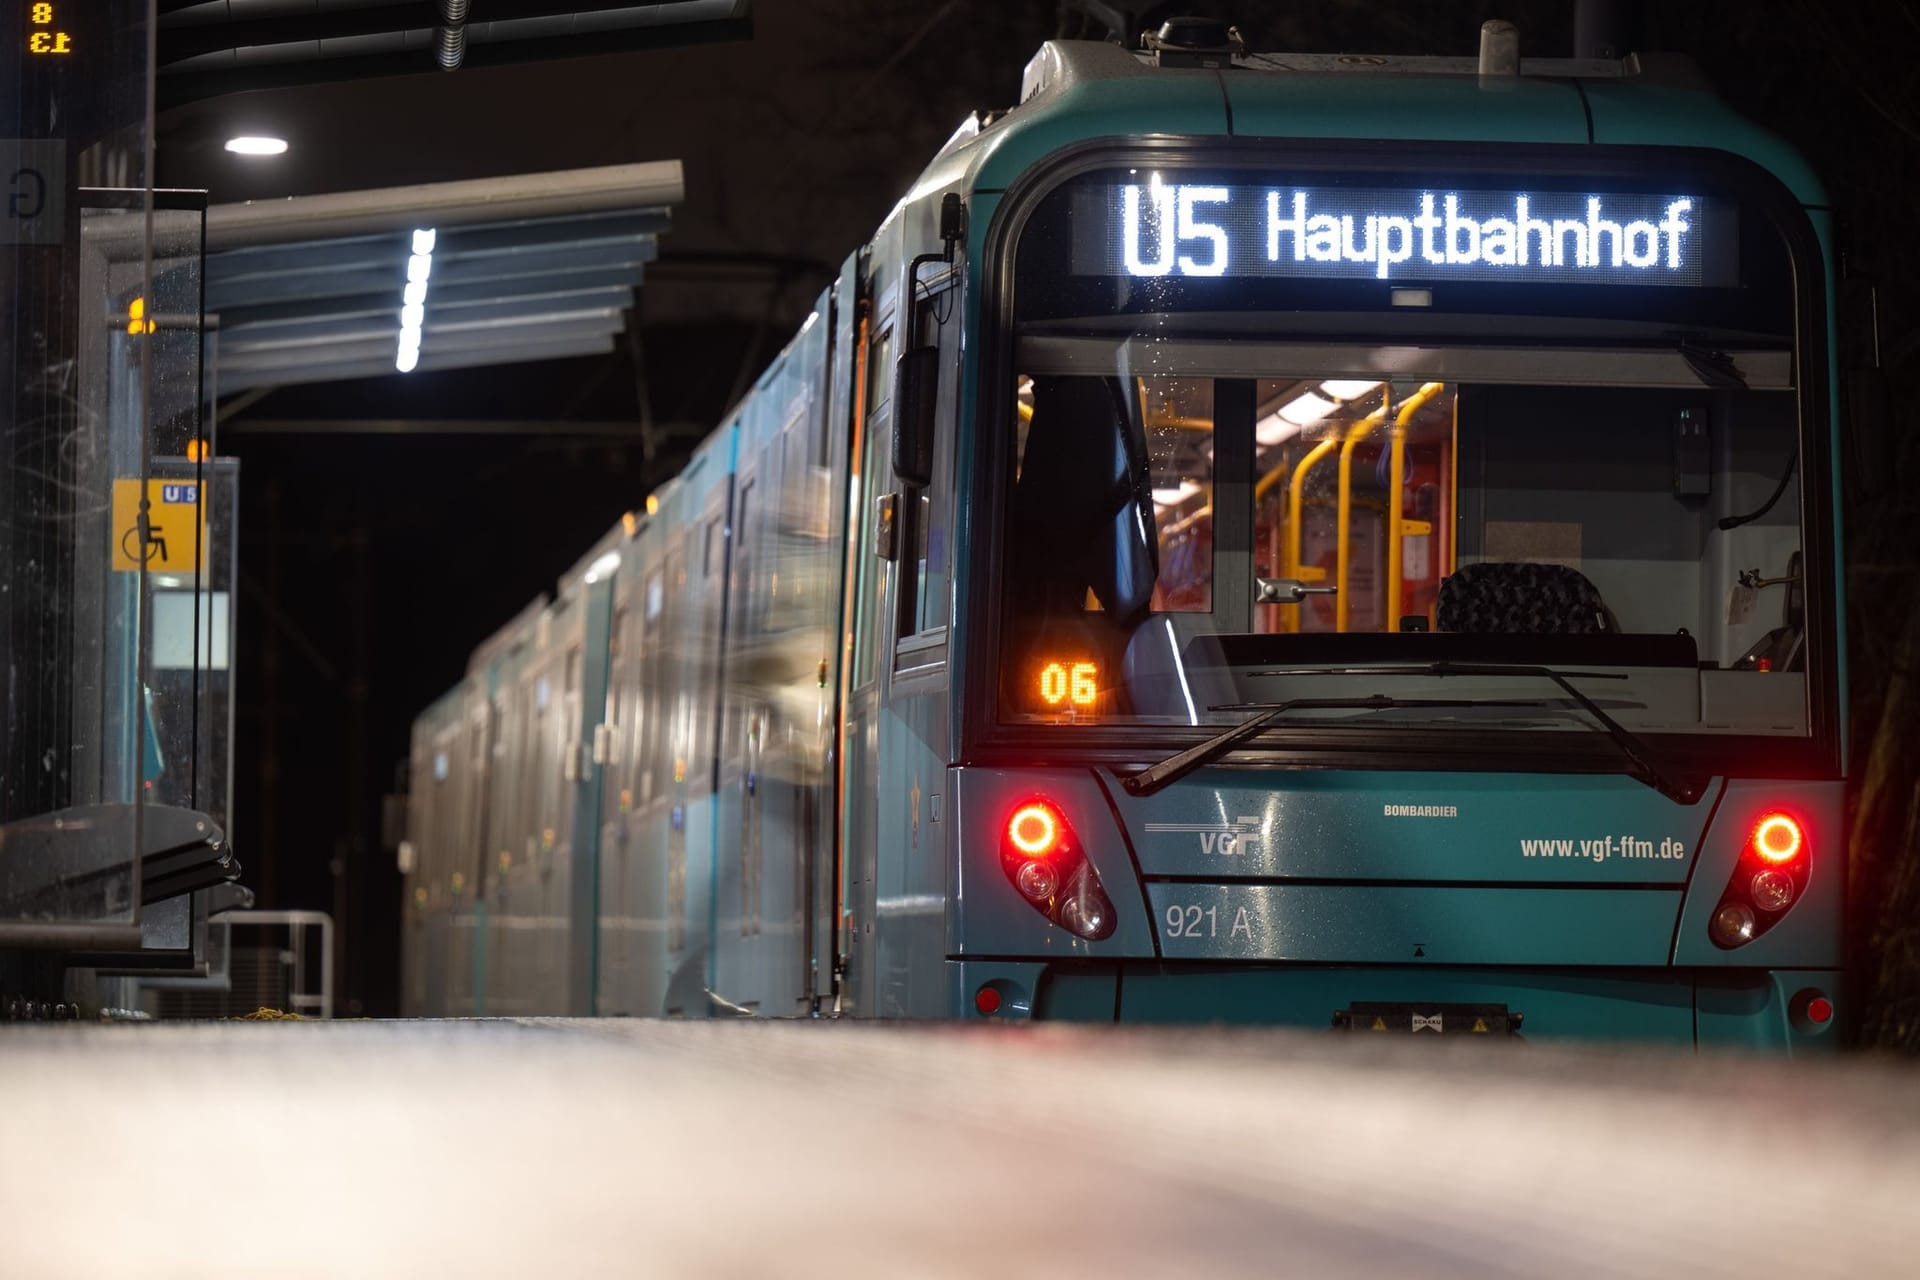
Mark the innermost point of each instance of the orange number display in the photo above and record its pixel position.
(1077, 683)
(46, 42)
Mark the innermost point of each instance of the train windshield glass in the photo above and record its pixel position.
(1228, 491)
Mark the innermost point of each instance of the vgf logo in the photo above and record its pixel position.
(1237, 840)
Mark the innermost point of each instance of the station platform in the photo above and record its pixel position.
(734, 1149)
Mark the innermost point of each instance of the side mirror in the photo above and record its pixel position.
(916, 387)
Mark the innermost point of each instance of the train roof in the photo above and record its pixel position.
(1075, 91)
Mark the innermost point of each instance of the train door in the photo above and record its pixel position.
(616, 757)
(869, 634)
(475, 844)
(737, 846)
(494, 903)
(830, 459)
(694, 866)
(587, 676)
(911, 884)
(663, 801)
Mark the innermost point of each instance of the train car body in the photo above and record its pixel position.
(1467, 444)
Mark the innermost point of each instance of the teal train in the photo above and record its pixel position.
(1343, 542)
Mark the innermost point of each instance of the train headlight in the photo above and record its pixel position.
(1087, 912)
(1037, 880)
(1771, 890)
(1732, 924)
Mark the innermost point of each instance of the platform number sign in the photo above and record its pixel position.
(44, 36)
(176, 532)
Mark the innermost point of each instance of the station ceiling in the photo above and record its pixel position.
(530, 267)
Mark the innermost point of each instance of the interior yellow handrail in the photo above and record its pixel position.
(1296, 485)
(1411, 405)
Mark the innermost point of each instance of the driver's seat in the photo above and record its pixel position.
(1512, 598)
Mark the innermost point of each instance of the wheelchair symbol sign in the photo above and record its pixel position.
(176, 532)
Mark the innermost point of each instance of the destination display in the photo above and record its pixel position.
(1154, 229)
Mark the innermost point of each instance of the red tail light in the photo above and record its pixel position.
(1777, 838)
(1034, 829)
(1769, 878)
(1043, 858)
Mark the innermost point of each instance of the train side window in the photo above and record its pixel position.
(741, 625)
(925, 562)
(872, 464)
(880, 370)
(705, 657)
(663, 683)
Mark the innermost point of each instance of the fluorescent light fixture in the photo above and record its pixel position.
(1306, 409)
(256, 145)
(413, 300)
(1347, 390)
(1274, 429)
(1174, 497)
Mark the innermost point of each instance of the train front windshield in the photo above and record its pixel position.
(1263, 432)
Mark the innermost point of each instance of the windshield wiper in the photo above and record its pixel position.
(1640, 760)
(1175, 767)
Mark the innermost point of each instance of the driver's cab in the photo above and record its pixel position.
(1167, 531)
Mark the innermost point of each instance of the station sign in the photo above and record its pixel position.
(176, 539)
(1155, 229)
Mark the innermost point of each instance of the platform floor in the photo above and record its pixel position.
(558, 1148)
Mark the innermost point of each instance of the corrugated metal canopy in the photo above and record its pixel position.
(533, 267)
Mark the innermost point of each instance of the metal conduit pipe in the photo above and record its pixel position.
(450, 37)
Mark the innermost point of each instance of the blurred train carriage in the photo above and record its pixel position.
(1346, 542)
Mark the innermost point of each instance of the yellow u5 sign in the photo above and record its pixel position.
(176, 528)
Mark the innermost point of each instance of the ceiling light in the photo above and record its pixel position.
(1305, 410)
(256, 145)
(1347, 390)
(1274, 429)
(413, 299)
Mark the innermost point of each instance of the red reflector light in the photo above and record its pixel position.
(1819, 1010)
(1777, 838)
(986, 1000)
(1034, 829)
